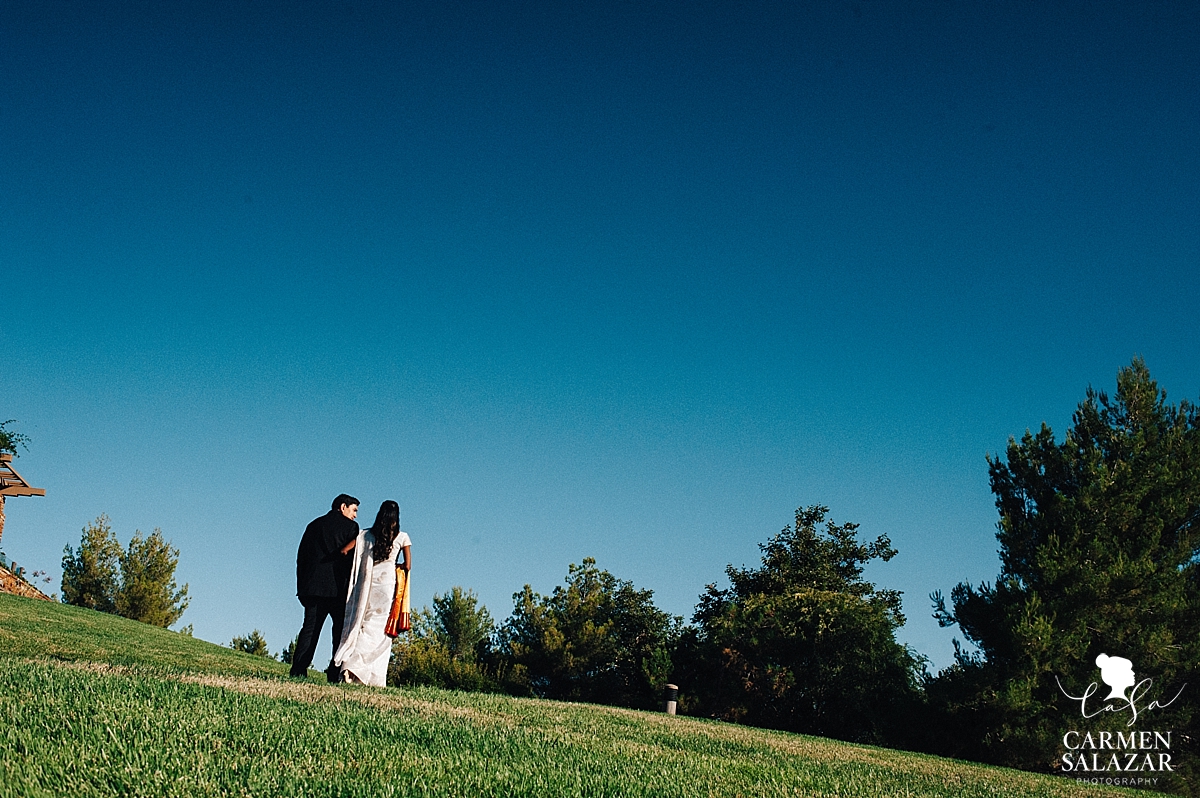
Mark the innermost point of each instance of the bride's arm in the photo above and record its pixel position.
(407, 564)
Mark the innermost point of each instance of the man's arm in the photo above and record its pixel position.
(349, 534)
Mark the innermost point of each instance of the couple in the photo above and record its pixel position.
(350, 577)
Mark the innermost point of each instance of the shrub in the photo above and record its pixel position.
(253, 643)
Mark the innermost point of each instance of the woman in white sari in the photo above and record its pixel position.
(362, 657)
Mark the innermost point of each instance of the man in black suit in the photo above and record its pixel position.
(323, 578)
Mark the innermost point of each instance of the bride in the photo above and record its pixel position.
(362, 657)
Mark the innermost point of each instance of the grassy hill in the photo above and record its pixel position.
(95, 705)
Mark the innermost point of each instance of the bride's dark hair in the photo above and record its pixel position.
(385, 529)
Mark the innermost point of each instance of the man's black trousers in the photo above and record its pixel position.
(316, 610)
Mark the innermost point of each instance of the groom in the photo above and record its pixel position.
(323, 578)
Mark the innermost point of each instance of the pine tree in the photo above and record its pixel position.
(90, 575)
(1100, 553)
(461, 624)
(804, 642)
(148, 592)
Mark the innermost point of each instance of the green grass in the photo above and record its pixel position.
(49, 630)
(94, 705)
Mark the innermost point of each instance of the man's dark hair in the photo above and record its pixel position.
(343, 498)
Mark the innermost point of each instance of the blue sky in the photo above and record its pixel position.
(629, 280)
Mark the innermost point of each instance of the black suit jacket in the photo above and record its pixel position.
(321, 568)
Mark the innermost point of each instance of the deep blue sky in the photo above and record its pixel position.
(623, 280)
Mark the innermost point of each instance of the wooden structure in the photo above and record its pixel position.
(12, 484)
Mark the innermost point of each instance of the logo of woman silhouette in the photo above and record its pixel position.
(1117, 673)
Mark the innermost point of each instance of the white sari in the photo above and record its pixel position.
(365, 650)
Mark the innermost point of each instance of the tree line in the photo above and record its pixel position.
(803, 642)
(1099, 542)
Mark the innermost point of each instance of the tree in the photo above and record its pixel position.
(460, 624)
(287, 654)
(448, 645)
(804, 642)
(90, 575)
(10, 439)
(1100, 553)
(596, 638)
(148, 592)
(253, 643)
